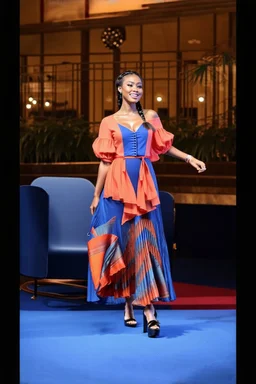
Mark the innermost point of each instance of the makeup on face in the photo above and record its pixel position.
(132, 88)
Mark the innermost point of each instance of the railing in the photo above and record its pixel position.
(87, 89)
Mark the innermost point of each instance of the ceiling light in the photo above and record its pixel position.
(113, 37)
(194, 41)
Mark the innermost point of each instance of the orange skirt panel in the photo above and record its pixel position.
(119, 187)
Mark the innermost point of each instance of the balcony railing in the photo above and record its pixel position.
(87, 89)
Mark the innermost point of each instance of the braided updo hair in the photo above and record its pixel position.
(119, 82)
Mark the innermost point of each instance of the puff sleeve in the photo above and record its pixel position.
(162, 140)
(103, 146)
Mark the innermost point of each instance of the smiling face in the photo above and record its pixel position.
(131, 88)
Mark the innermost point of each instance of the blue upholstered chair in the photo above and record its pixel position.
(54, 223)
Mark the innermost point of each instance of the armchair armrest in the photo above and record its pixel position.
(34, 213)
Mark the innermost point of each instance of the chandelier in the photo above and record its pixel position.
(113, 37)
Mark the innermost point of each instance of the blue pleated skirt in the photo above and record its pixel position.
(142, 246)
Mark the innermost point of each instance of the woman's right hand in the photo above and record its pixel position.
(94, 204)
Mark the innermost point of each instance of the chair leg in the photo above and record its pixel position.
(43, 281)
(35, 290)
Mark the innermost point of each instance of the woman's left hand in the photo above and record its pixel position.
(197, 164)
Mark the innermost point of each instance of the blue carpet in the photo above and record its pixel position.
(87, 346)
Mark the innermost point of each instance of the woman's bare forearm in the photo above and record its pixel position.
(174, 152)
(102, 173)
(197, 164)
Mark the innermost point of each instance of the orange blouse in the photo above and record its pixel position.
(109, 147)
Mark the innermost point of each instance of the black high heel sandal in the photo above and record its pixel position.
(147, 326)
(127, 324)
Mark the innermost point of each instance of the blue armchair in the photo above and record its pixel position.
(54, 222)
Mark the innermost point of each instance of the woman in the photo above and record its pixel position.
(128, 254)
